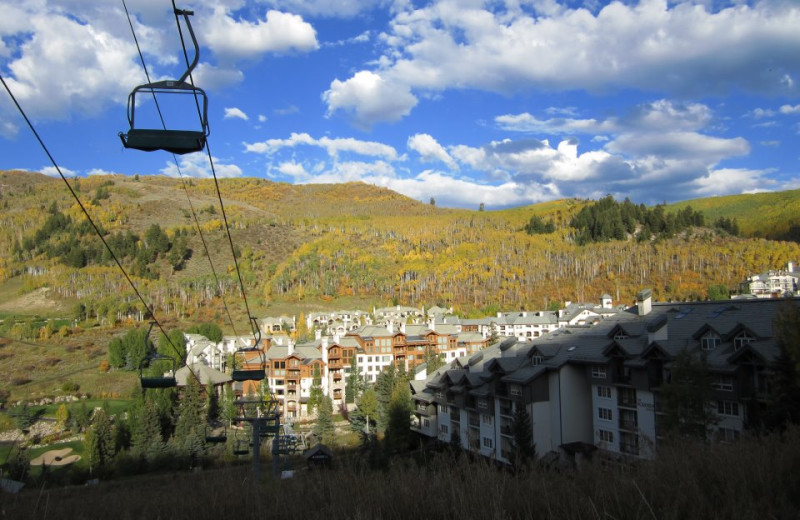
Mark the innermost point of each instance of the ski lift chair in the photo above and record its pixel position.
(163, 381)
(167, 379)
(176, 141)
(216, 435)
(249, 362)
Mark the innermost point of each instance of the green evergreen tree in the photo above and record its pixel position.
(324, 428)
(523, 449)
(686, 398)
(784, 402)
(146, 436)
(213, 406)
(384, 386)
(365, 412)
(100, 441)
(398, 431)
(433, 359)
(189, 436)
(354, 384)
(315, 392)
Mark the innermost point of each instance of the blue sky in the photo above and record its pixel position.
(497, 102)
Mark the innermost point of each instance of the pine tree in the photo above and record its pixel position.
(354, 384)
(189, 436)
(384, 386)
(213, 411)
(398, 432)
(784, 406)
(146, 431)
(366, 411)
(433, 359)
(315, 392)
(99, 440)
(523, 448)
(324, 429)
(686, 398)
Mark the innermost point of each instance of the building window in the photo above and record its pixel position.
(515, 390)
(728, 434)
(605, 414)
(724, 383)
(486, 419)
(536, 360)
(620, 336)
(709, 342)
(629, 443)
(741, 340)
(443, 408)
(604, 391)
(483, 405)
(426, 423)
(599, 372)
(728, 408)
(488, 443)
(443, 428)
(606, 436)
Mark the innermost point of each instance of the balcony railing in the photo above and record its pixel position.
(631, 448)
(505, 430)
(627, 402)
(627, 425)
(474, 422)
(506, 410)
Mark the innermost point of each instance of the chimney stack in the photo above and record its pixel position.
(644, 302)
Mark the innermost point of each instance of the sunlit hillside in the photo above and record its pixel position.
(350, 244)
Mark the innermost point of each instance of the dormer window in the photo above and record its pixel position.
(536, 360)
(709, 342)
(620, 336)
(742, 339)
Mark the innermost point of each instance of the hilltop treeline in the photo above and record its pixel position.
(608, 219)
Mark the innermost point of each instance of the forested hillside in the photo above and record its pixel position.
(352, 244)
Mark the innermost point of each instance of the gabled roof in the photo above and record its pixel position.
(204, 373)
(524, 375)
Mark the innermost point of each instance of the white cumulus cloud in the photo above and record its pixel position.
(235, 113)
(430, 150)
(277, 32)
(369, 98)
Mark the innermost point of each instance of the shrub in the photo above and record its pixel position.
(70, 387)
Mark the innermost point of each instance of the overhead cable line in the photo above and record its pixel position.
(253, 323)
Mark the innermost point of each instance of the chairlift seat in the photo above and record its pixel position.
(239, 450)
(248, 375)
(158, 382)
(179, 142)
(216, 439)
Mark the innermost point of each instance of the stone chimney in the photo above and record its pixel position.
(606, 301)
(390, 327)
(644, 302)
(317, 334)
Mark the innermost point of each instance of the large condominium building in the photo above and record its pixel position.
(599, 386)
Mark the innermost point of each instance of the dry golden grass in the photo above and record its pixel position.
(754, 478)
